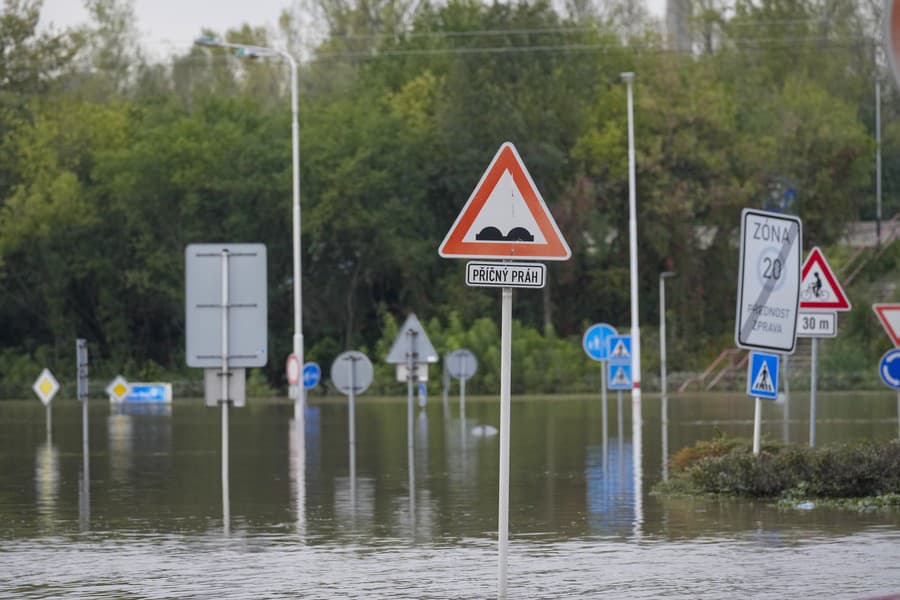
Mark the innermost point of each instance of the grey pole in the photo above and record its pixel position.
(462, 393)
(505, 392)
(226, 502)
(665, 437)
(352, 434)
(633, 263)
(605, 412)
(85, 505)
(812, 391)
(878, 162)
(411, 370)
(757, 425)
(662, 330)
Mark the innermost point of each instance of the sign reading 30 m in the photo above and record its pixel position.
(769, 281)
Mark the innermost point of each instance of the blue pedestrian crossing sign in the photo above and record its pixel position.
(595, 339)
(889, 369)
(312, 373)
(619, 376)
(619, 348)
(762, 375)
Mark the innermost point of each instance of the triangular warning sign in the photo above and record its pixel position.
(412, 340)
(889, 315)
(819, 288)
(763, 381)
(505, 217)
(620, 378)
(620, 351)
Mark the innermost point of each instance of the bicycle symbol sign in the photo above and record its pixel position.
(819, 288)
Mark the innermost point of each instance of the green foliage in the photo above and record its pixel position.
(110, 166)
(842, 471)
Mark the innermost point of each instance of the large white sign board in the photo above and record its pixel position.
(769, 281)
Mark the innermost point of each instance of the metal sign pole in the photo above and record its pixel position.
(81, 366)
(352, 432)
(410, 377)
(505, 370)
(812, 391)
(621, 417)
(605, 412)
(226, 503)
(898, 414)
(757, 425)
(664, 409)
(49, 424)
(462, 390)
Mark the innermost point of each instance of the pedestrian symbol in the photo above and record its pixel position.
(763, 381)
(619, 377)
(762, 375)
(620, 348)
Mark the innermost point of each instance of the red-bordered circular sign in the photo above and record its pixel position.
(891, 23)
(293, 370)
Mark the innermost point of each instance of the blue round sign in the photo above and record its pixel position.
(595, 340)
(311, 375)
(889, 369)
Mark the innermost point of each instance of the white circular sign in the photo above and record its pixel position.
(352, 371)
(292, 368)
(462, 364)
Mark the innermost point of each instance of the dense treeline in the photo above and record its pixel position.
(110, 164)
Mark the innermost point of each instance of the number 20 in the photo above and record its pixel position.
(773, 268)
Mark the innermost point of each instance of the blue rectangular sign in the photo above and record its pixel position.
(619, 349)
(762, 375)
(619, 376)
(149, 392)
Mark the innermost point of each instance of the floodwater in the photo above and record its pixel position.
(583, 522)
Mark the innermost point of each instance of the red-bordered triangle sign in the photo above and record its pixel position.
(889, 315)
(505, 217)
(819, 288)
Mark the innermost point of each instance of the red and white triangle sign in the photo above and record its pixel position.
(889, 315)
(505, 217)
(819, 288)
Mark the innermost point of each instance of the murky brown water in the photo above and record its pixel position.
(151, 525)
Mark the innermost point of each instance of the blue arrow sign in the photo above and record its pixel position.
(762, 375)
(619, 376)
(146, 393)
(889, 369)
(619, 349)
(311, 375)
(594, 340)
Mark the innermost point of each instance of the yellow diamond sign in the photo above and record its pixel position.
(117, 389)
(45, 386)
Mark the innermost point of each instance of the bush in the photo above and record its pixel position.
(727, 466)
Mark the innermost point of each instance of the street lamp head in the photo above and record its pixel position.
(627, 77)
(209, 41)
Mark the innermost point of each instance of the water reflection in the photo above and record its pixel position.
(610, 491)
(664, 435)
(297, 472)
(575, 510)
(46, 479)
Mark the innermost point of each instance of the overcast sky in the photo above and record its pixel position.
(169, 24)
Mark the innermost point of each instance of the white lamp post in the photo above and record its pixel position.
(662, 330)
(249, 51)
(628, 78)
